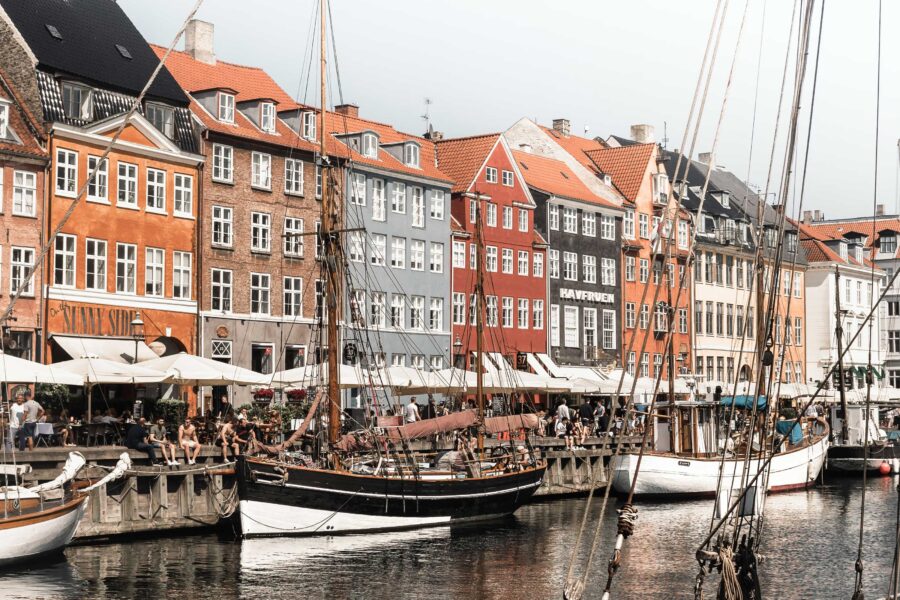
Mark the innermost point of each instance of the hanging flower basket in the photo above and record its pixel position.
(263, 396)
(296, 396)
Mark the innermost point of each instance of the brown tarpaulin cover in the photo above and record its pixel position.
(511, 423)
(275, 449)
(427, 427)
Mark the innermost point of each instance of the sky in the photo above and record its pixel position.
(603, 65)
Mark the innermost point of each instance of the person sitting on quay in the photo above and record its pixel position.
(137, 438)
(159, 438)
(228, 438)
(566, 431)
(245, 432)
(60, 422)
(33, 411)
(187, 440)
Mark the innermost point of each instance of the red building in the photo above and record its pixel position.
(514, 253)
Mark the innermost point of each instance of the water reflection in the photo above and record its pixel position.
(809, 550)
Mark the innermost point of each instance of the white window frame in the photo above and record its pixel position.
(507, 178)
(221, 281)
(608, 272)
(398, 252)
(267, 117)
(506, 312)
(523, 314)
(490, 174)
(537, 264)
(417, 255)
(589, 268)
(570, 327)
(417, 312)
(66, 178)
(261, 288)
(225, 107)
(24, 193)
(223, 163)
(537, 313)
(589, 223)
(356, 246)
(293, 176)
(155, 197)
(378, 256)
(436, 314)
(411, 155)
(369, 145)
(21, 261)
(436, 257)
(162, 117)
(222, 232)
(95, 254)
(379, 200)
(554, 325)
(523, 220)
(261, 171)
(459, 308)
(377, 312)
(154, 272)
(570, 220)
(292, 292)
(126, 259)
(628, 225)
(607, 227)
(309, 125)
(358, 189)
(459, 254)
(98, 187)
(65, 260)
(260, 232)
(506, 262)
(523, 263)
(183, 192)
(182, 274)
(126, 185)
(398, 197)
(507, 217)
(84, 100)
(418, 207)
(570, 266)
(436, 206)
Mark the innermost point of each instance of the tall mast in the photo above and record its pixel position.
(332, 256)
(479, 320)
(839, 334)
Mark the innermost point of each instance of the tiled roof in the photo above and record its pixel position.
(91, 30)
(457, 228)
(626, 165)
(837, 230)
(461, 158)
(575, 145)
(555, 177)
(813, 242)
(22, 121)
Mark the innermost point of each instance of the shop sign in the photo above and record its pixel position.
(586, 295)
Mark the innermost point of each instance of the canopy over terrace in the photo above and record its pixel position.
(311, 375)
(95, 371)
(187, 369)
(19, 370)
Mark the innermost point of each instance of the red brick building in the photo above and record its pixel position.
(514, 253)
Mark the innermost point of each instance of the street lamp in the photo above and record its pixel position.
(457, 353)
(137, 332)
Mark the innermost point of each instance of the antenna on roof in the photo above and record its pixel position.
(587, 128)
(665, 137)
(427, 117)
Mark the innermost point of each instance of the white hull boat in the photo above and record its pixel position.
(37, 528)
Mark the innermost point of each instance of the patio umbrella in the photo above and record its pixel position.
(348, 376)
(19, 370)
(99, 370)
(187, 369)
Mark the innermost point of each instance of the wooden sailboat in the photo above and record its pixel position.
(370, 480)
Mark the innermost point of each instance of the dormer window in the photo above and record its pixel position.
(76, 101)
(267, 117)
(842, 250)
(724, 199)
(858, 253)
(162, 117)
(370, 145)
(791, 241)
(4, 119)
(411, 155)
(309, 125)
(887, 242)
(226, 107)
(660, 188)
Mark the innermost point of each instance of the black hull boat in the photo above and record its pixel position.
(881, 457)
(278, 499)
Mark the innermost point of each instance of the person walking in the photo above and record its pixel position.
(411, 412)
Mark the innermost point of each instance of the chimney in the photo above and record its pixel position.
(349, 110)
(819, 216)
(642, 134)
(807, 217)
(434, 136)
(198, 41)
(704, 157)
(562, 126)
(879, 210)
(525, 148)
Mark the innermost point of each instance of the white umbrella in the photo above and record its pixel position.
(19, 370)
(348, 377)
(99, 370)
(187, 369)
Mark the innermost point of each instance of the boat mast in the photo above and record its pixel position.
(670, 314)
(332, 256)
(479, 321)
(839, 334)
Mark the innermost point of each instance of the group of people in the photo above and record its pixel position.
(575, 425)
(138, 437)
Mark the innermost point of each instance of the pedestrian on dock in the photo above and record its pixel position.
(137, 438)
(159, 437)
(17, 417)
(187, 440)
(33, 412)
(562, 410)
(411, 412)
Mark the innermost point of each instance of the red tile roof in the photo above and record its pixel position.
(626, 165)
(813, 242)
(555, 177)
(22, 121)
(843, 229)
(575, 145)
(462, 158)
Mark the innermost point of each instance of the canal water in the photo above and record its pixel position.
(809, 551)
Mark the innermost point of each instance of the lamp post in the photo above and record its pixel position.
(457, 353)
(137, 332)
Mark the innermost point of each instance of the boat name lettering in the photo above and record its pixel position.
(684, 463)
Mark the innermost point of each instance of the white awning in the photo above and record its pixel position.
(115, 349)
(536, 365)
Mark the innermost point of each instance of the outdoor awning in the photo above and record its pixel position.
(536, 365)
(119, 350)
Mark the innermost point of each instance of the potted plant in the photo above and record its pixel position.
(263, 396)
(296, 396)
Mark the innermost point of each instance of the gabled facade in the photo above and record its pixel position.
(258, 272)
(485, 171)
(23, 162)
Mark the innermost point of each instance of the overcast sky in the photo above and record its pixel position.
(603, 65)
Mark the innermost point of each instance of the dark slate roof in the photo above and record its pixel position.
(623, 141)
(90, 31)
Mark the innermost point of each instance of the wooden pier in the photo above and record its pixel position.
(158, 499)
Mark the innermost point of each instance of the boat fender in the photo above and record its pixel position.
(884, 468)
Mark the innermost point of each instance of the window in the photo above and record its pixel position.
(490, 175)
(729, 266)
(459, 255)
(436, 257)
(710, 315)
(378, 200)
(682, 320)
(162, 117)
(223, 163)
(507, 178)
(491, 259)
(554, 263)
(523, 313)
(645, 365)
(570, 266)
(76, 101)
(221, 290)
(398, 253)
(259, 294)
(309, 125)
(608, 271)
(491, 214)
(358, 189)
(682, 235)
(156, 190)
(507, 217)
(720, 317)
(411, 155)
(609, 329)
(507, 312)
(523, 220)
(554, 217)
(260, 232)
(644, 224)
(589, 223)
(126, 185)
(887, 243)
(398, 198)
(607, 227)
(473, 309)
(182, 263)
(661, 315)
(98, 185)
(64, 260)
(629, 268)
(417, 312)
(537, 311)
(537, 269)
(66, 172)
(589, 325)
(126, 268)
(798, 285)
(379, 249)
(473, 210)
(356, 251)
(293, 296)
(370, 145)
(22, 260)
(491, 311)
(570, 326)
(628, 225)
(570, 220)
(398, 360)
(417, 255)
(645, 270)
(261, 170)
(293, 235)
(267, 117)
(507, 260)
(293, 176)
(554, 325)
(729, 320)
(154, 267)
(226, 107)
(418, 207)
(221, 226)
(184, 195)
(24, 193)
(4, 119)
(459, 308)
(95, 265)
(436, 314)
(893, 341)
(436, 210)
(523, 263)
(376, 309)
(589, 269)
